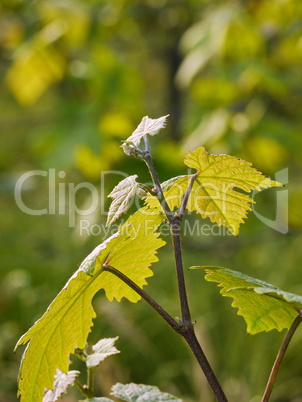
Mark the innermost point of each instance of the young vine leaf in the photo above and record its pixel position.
(147, 126)
(101, 350)
(68, 320)
(263, 306)
(140, 393)
(122, 195)
(136, 393)
(213, 194)
(61, 383)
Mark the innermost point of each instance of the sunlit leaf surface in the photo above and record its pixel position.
(147, 126)
(122, 195)
(68, 320)
(263, 306)
(214, 193)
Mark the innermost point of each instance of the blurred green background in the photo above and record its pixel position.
(76, 78)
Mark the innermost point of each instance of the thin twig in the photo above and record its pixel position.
(160, 194)
(186, 328)
(186, 331)
(147, 189)
(147, 145)
(86, 392)
(161, 311)
(187, 325)
(279, 358)
(185, 200)
(184, 305)
(203, 362)
(90, 379)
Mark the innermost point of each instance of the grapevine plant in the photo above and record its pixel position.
(218, 189)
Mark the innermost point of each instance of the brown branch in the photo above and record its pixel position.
(160, 310)
(279, 358)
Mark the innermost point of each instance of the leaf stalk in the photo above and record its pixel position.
(184, 305)
(279, 358)
(84, 390)
(185, 328)
(160, 310)
(185, 200)
(160, 195)
(90, 379)
(187, 325)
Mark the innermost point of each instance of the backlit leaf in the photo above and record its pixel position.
(122, 195)
(140, 393)
(61, 383)
(213, 194)
(101, 350)
(263, 306)
(68, 320)
(147, 126)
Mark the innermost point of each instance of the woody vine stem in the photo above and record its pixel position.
(185, 326)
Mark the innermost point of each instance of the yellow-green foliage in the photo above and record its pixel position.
(263, 306)
(68, 320)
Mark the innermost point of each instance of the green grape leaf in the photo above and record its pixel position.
(68, 320)
(101, 350)
(122, 195)
(61, 382)
(263, 306)
(140, 393)
(147, 126)
(134, 251)
(213, 193)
